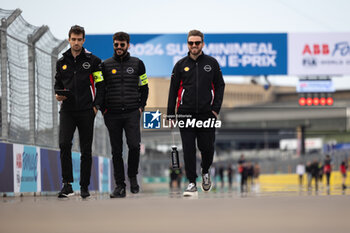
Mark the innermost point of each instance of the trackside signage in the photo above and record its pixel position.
(240, 54)
(237, 54)
(319, 54)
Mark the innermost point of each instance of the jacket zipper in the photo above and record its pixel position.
(122, 82)
(196, 87)
(75, 83)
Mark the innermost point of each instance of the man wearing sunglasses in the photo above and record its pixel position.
(125, 98)
(196, 90)
(77, 74)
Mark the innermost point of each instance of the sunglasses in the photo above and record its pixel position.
(121, 45)
(194, 42)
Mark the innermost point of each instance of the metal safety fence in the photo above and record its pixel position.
(29, 110)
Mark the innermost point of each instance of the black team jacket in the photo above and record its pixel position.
(83, 78)
(196, 86)
(126, 84)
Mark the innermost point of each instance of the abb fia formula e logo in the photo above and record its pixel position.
(340, 48)
(316, 49)
(318, 54)
(312, 50)
(334, 52)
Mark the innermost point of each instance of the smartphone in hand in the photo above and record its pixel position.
(63, 92)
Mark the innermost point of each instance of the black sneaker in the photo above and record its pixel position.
(66, 191)
(134, 187)
(206, 183)
(118, 192)
(191, 190)
(84, 192)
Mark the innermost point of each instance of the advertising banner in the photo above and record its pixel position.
(104, 174)
(33, 169)
(111, 175)
(26, 164)
(6, 168)
(237, 54)
(310, 144)
(319, 54)
(315, 86)
(76, 171)
(94, 182)
(51, 174)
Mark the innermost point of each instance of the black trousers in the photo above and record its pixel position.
(69, 121)
(130, 123)
(244, 181)
(316, 181)
(328, 177)
(205, 138)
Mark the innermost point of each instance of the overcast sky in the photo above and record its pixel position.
(180, 16)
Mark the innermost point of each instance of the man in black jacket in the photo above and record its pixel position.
(77, 73)
(198, 87)
(125, 98)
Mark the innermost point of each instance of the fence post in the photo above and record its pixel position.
(5, 23)
(54, 59)
(32, 39)
(3, 52)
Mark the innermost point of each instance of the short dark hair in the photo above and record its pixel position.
(195, 33)
(76, 29)
(121, 36)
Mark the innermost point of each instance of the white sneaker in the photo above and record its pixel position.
(206, 183)
(191, 190)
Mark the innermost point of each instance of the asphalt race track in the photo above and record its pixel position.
(161, 211)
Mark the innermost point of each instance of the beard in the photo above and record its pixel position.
(195, 51)
(120, 52)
